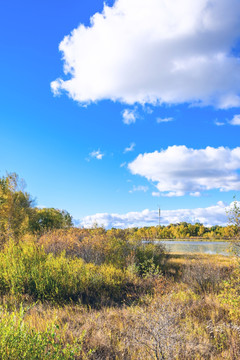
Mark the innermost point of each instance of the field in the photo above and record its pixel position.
(78, 294)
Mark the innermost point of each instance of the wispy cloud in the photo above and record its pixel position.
(139, 188)
(219, 123)
(129, 116)
(147, 109)
(175, 193)
(130, 148)
(97, 154)
(195, 194)
(164, 120)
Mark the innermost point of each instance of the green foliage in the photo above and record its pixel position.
(230, 294)
(15, 208)
(18, 341)
(183, 230)
(148, 268)
(150, 258)
(47, 219)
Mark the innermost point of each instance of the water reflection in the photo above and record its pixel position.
(203, 247)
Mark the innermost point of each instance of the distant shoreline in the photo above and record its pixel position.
(192, 239)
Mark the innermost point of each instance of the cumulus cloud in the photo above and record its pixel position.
(129, 116)
(235, 120)
(163, 120)
(179, 170)
(155, 51)
(130, 148)
(209, 216)
(96, 154)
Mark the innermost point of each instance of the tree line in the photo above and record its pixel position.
(184, 230)
(19, 216)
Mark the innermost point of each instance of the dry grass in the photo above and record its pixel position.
(179, 325)
(178, 320)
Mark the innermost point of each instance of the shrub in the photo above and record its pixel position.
(155, 333)
(230, 295)
(150, 258)
(98, 246)
(203, 277)
(18, 341)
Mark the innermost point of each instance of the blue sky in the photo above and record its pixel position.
(148, 87)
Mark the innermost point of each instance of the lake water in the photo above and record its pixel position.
(203, 247)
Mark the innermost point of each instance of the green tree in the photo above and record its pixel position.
(18, 215)
(47, 219)
(15, 207)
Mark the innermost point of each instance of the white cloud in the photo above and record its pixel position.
(235, 120)
(163, 120)
(96, 154)
(195, 194)
(156, 194)
(130, 148)
(147, 109)
(139, 188)
(212, 215)
(129, 116)
(219, 123)
(179, 170)
(155, 51)
(173, 194)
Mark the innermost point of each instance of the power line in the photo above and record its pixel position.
(159, 216)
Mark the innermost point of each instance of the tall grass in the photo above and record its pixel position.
(27, 269)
